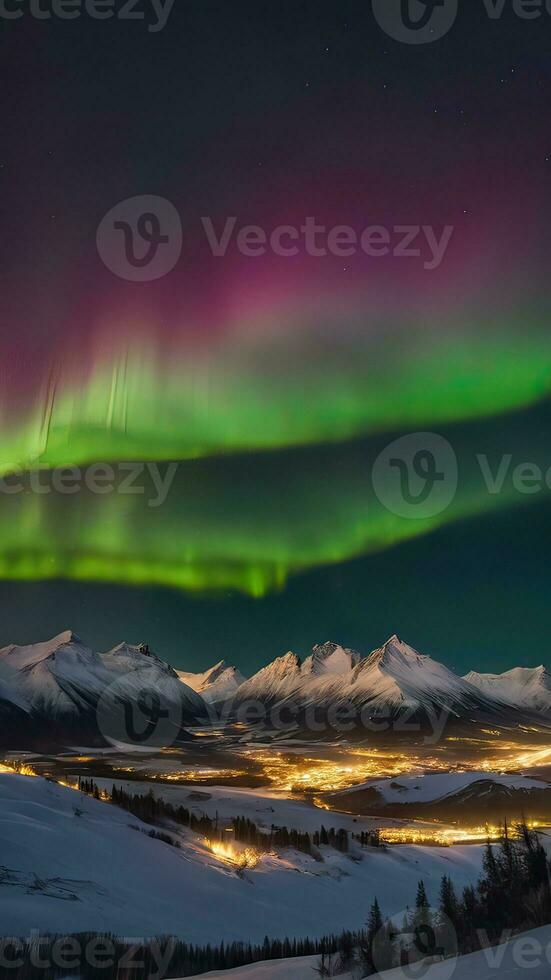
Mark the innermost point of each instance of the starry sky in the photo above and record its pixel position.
(275, 382)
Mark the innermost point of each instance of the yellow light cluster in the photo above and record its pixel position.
(444, 836)
(197, 775)
(246, 858)
(300, 774)
(20, 769)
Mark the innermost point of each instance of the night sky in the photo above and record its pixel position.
(276, 382)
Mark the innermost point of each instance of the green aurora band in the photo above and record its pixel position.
(272, 392)
(248, 522)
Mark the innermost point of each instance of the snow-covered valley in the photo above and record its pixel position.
(76, 863)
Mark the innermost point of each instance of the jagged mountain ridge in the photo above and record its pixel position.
(62, 680)
(393, 680)
(527, 687)
(324, 671)
(216, 684)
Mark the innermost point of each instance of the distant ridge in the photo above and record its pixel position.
(60, 681)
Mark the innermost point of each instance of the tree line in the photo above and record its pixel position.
(152, 809)
(512, 895)
(48, 957)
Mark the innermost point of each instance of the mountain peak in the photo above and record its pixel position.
(527, 687)
(325, 649)
(330, 658)
(277, 679)
(288, 661)
(396, 651)
(214, 684)
(395, 639)
(62, 638)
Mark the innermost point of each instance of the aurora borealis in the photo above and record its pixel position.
(274, 382)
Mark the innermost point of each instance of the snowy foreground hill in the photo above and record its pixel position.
(528, 955)
(72, 860)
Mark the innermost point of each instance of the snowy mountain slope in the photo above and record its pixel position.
(58, 677)
(325, 669)
(62, 681)
(263, 806)
(525, 954)
(277, 680)
(438, 786)
(218, 683)
(523, 687)
(127, 883)
(392, 680)
(468, 797)
(297, 968)
(397, 676)
(330, 658)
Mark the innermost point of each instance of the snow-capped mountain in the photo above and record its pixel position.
(523, 687)
(398, 677)
(62, 681)
(393, 680)
(218, 683)
(288, 677)
(330, 658)
(272, 683)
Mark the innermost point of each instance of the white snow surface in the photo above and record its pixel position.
(78, 864)
(297, 968)
(525, 687)
(527, 955)
(218, 683)
(398, 675)
(394, 676)
(264, 806)
(437, 786)
(63, 677)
